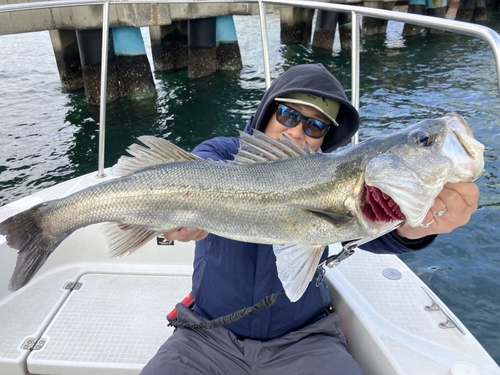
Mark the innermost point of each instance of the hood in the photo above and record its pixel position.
(310, 79)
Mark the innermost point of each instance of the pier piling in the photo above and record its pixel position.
(135, 76)
(89, 46)
(324, 32)
(202, 49)
(67, 57)
(296, 25)
(374, 26)
(169, 46)
(345, 32)
(228, 49)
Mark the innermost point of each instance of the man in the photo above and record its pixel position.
(308, 105)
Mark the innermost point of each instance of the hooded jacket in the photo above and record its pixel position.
(230, 275)
(316, 80)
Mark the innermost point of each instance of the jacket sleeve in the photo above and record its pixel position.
(220, 148)
(393, 243)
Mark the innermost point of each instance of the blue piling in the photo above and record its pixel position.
(132, 62)
(228, 49)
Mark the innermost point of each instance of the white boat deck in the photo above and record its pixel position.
(113, 324)
(115, 320)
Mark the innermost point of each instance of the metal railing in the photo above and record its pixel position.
(458, 27)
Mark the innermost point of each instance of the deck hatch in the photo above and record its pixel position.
(114, 324)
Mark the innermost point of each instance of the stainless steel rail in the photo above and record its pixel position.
(104, 90)
(458, 27)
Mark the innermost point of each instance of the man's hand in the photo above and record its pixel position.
(186, 234)
(452, 208)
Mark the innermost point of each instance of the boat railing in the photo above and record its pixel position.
(458, 27)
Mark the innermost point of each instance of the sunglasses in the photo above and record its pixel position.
(290, 118)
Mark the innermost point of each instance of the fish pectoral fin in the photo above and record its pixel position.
(334, 218)
(125, 239)
(158, 151)
(297, 265)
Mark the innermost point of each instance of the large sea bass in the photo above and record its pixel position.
(274, 192)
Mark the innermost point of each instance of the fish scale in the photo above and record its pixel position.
(274, 192)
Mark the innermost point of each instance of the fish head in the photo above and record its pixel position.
(408, 169)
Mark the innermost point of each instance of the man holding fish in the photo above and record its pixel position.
(308, 106)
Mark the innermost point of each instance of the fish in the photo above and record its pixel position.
(273, 192)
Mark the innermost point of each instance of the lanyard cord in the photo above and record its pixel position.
(231, 318)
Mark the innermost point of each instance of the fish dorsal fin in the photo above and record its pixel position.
(125, 239)
(296, 266)
(260, 148)
(158, 151)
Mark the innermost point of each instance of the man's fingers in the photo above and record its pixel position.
(453, 208)
(456, 192)
(186, 234)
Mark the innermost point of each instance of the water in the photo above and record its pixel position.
(48, 135)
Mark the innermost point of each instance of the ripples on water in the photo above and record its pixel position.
(48, 135)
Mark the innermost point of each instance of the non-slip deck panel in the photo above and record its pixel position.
(114, 322)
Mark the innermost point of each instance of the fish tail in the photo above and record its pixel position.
(25, 233)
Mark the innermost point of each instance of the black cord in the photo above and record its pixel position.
(234, 317)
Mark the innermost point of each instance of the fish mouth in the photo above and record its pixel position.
(377, 206)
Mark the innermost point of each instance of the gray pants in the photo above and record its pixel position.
(319, 348)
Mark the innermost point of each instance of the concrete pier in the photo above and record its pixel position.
(374, 26)
(438, 8)
(169, 46)
(471, 10)
(324, 32)
(135, 76)
(228, 49)
(89, 46)
(415, 7)
(296, 25)
(345, 26)
(434, 8)
(202, 48)
(67, 57)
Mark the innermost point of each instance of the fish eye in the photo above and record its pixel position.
(422, 139)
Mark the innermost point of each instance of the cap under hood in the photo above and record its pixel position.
(316, 80)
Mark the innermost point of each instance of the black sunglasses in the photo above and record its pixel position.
(291, 117)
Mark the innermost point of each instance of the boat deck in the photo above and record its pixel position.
(109, 325)
(112, 321)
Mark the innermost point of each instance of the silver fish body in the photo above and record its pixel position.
(273, 193)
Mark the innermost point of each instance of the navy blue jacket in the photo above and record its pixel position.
(230, 275)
